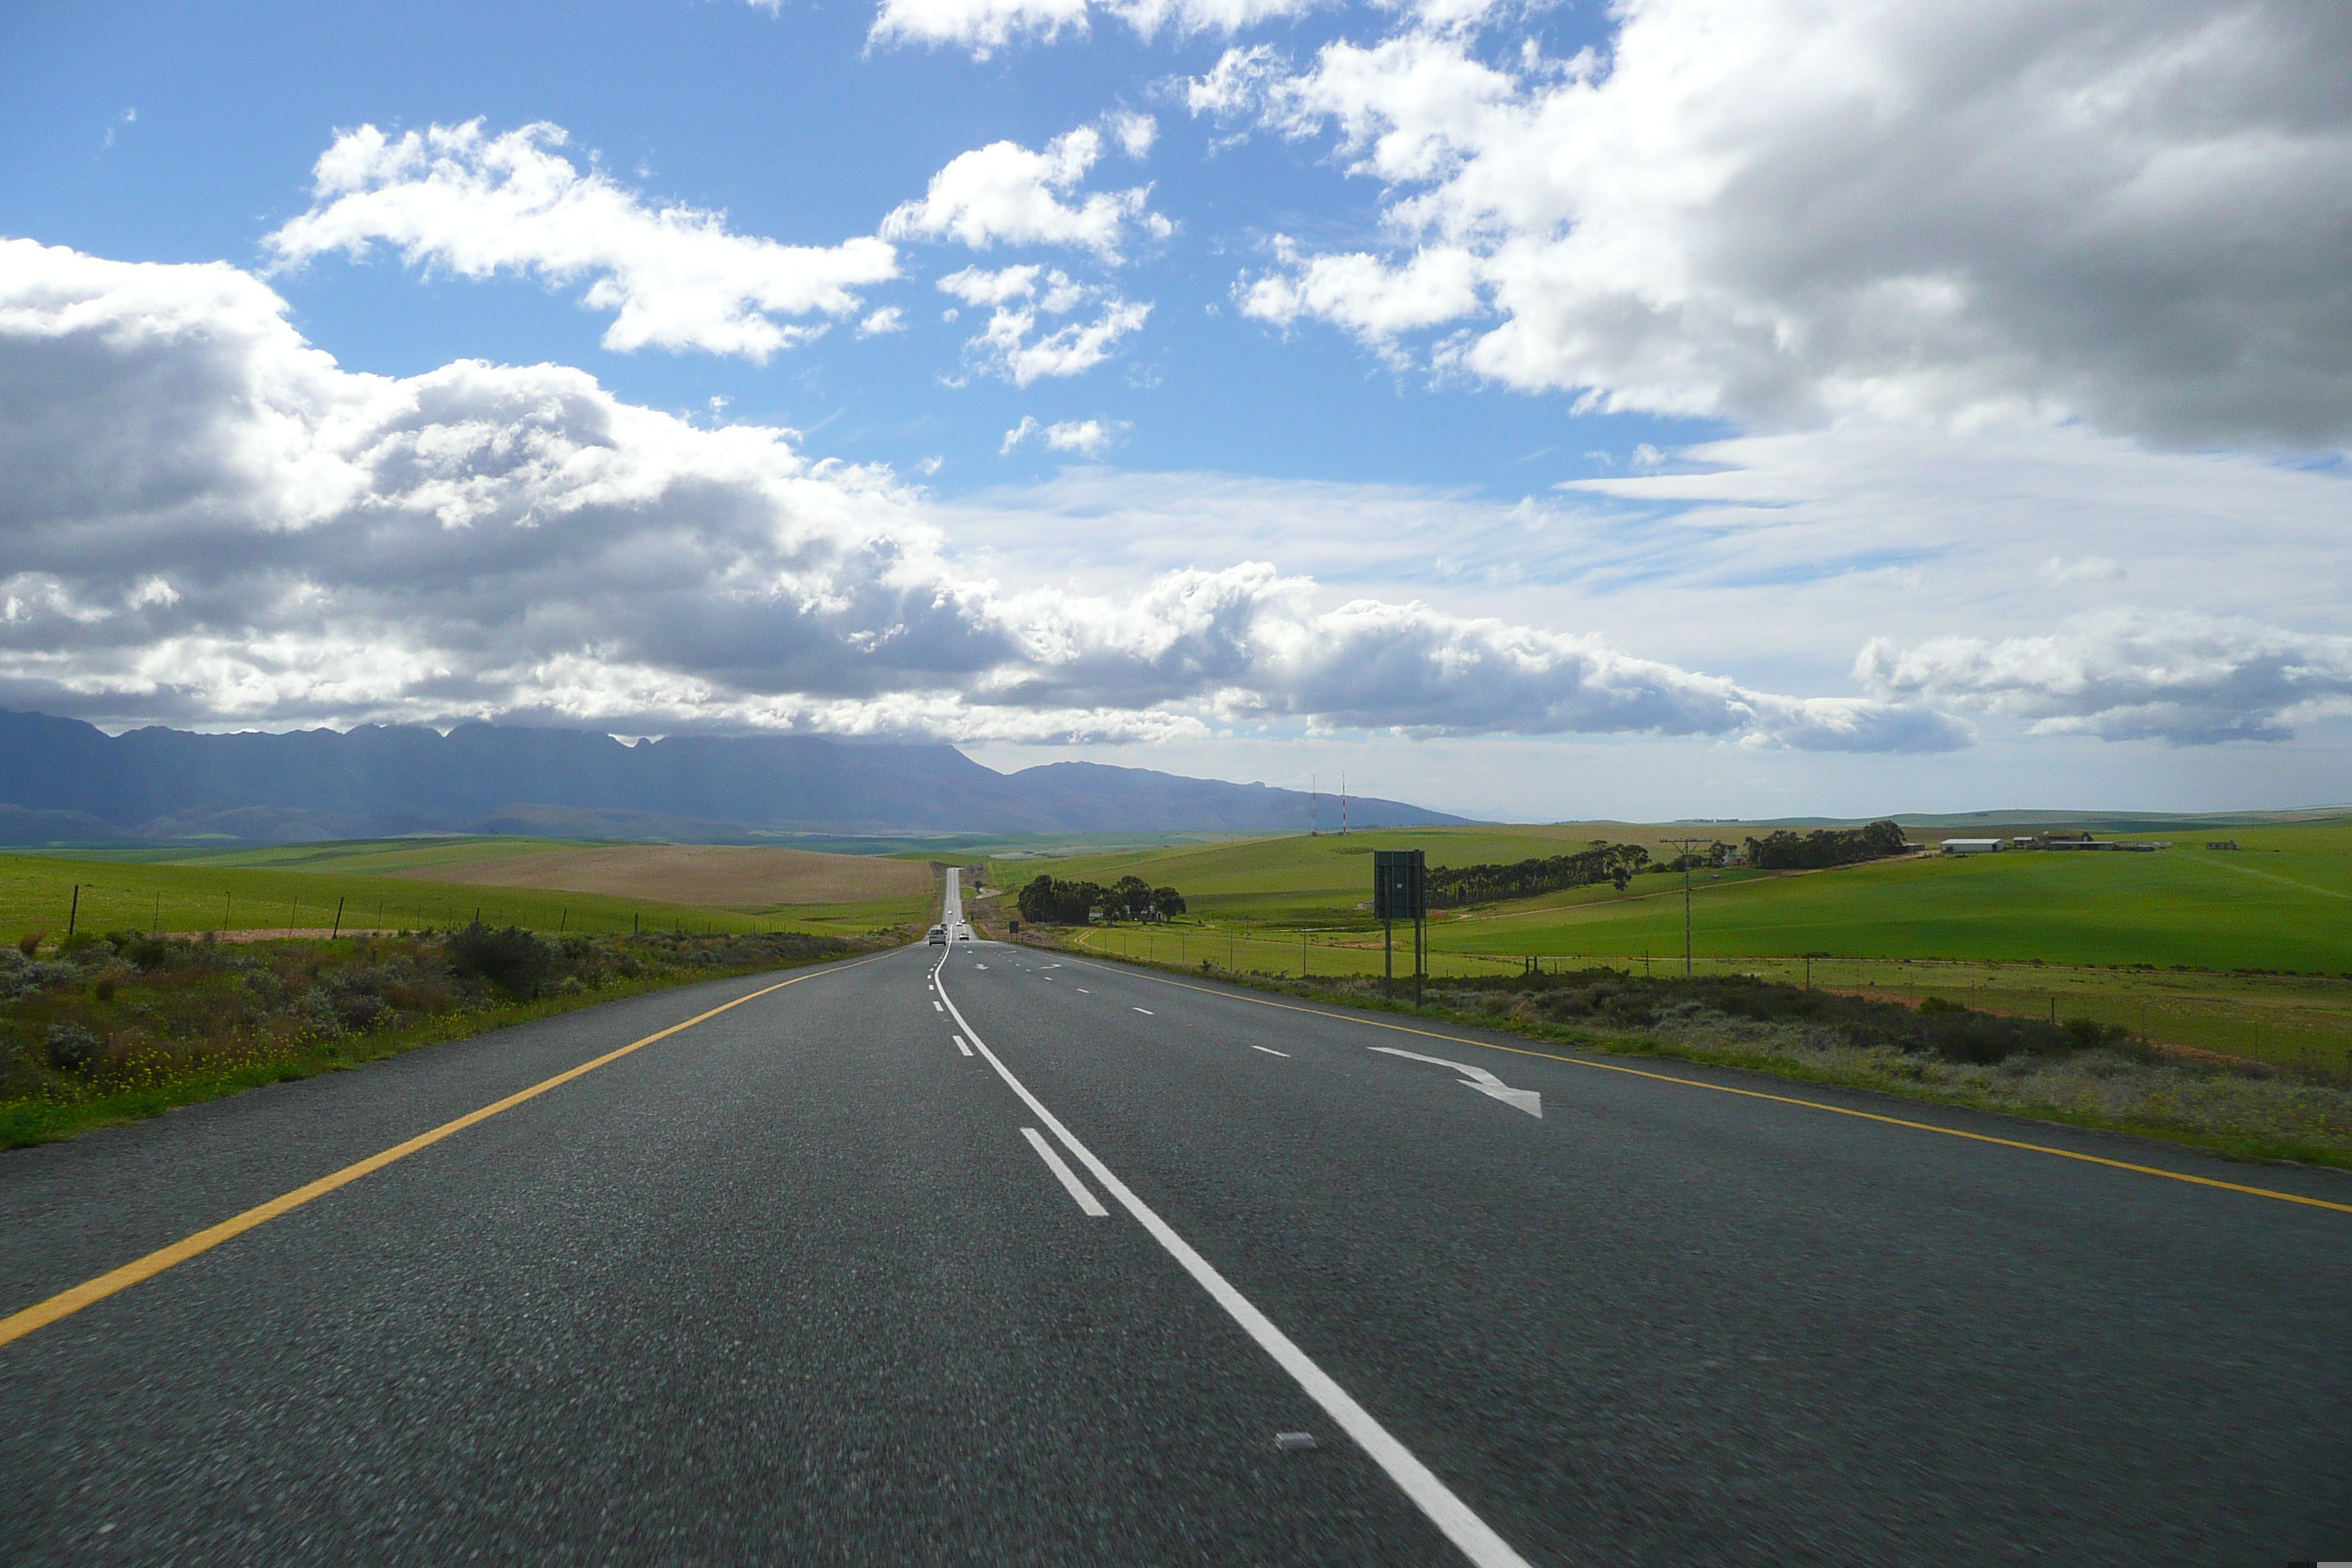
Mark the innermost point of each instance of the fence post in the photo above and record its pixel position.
(74, 912)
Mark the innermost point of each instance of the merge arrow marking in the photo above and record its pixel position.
(1479, 1078)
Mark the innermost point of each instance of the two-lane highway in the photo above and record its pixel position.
(991, 1254)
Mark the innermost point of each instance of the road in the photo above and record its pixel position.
(989, 1254)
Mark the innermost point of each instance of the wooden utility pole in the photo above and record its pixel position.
(1686, 845)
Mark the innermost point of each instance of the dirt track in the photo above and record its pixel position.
(721, 876)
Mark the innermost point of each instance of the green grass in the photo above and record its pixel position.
(373, 857)
(2014, 933)
(36, 893)
(2256, 1117)
(2288, 910)
(2284, 903)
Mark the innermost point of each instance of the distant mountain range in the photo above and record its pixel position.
(62, 780)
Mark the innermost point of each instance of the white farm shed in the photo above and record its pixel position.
(1974, 846)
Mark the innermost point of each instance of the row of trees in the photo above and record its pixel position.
(1790, 851)
(1451, 887)
(1049, 900)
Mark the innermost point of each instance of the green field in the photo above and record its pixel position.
(2152, 941)
(2208, 910)
(37, 894)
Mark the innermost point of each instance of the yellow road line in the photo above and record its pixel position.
(1777, 1099)
(65, 1303)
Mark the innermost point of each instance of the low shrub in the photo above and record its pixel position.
(73, 1048)
(1615, 998)
(106, 1017)
(512, 960)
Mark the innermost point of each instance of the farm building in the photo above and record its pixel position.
(1973, 846)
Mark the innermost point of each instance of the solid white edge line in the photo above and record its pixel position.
(1473, 1536)
(1069, 1178)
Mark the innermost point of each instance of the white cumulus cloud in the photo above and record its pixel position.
(1006, 193)
(1012, 346)
(1371, 297)
(2130, 675)
(1134, 132)
(457, 199)
(1786, 213)
(982, 26)
(1087, 437)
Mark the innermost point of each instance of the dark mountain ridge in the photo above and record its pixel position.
(63, 779)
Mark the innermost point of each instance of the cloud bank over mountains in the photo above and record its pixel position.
(2007, 335)
(211, 520)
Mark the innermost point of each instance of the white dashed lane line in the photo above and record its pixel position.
(1147, 1012)
(1269, 1051)
(960, 1044)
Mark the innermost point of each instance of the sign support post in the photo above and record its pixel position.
(1401, 892)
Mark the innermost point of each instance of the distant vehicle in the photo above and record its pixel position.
(963, 934)
(939, 936)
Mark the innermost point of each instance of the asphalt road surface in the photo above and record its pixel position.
(986, 1255)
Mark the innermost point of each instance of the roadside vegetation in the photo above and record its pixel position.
(2245, 952)
(1047, 899)
(98, 1029)
(2082, 1072)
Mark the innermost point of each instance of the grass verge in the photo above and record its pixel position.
(115, 1033)
(2244, 1113)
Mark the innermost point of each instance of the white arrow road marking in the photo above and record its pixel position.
(1479, 1078)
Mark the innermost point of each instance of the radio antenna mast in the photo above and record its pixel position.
(1343, 803)
(1314, 804)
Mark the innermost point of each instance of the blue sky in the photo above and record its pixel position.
(788, 123)
(1683, 408)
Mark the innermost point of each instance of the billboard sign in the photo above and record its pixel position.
(1399, 884)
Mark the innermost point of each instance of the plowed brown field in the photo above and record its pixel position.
(713, 875)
